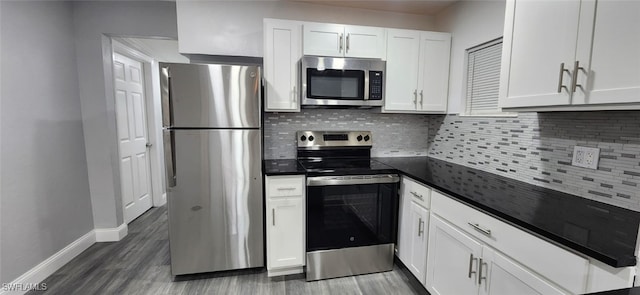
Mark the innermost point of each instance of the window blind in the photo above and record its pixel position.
(483, 78)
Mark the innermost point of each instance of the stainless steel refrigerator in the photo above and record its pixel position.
(212, 142)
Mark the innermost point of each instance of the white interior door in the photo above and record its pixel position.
(135, 169)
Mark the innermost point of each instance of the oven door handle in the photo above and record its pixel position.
(352, 179)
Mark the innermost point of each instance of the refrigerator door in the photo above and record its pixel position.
(215, 200)
(210, 96)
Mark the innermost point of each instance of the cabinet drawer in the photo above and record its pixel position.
(284, 186)
(558, 265)
(419, 193)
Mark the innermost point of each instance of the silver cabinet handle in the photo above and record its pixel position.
(415, 97)
(340, 48)
(417, 195)
(348, 42)
(420, 227)
(486, 232)
(273, 216)
(421, 97)
(286, 188)
(148, 144)
(480, 277)
(562, 70)
(471, 260)
(574, 78)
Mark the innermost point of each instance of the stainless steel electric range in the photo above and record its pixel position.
(352, 205)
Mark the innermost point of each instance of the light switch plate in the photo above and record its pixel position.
(586, 157)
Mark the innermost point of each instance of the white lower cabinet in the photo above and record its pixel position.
(459, 264)
(452, 260)
(413, 227)
(285, 223)
(419, 222)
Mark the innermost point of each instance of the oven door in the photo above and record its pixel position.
(351, 211)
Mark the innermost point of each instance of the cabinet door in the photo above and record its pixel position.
(419, 223)
(433, 78)
(285, 232)
(609, 51)
(282, 52)
(323, 39)
(401, 81)
(364, 42)
(452, 260)
(403, 246)
(505, 277)
(538, 37)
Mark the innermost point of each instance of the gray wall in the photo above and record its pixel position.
(394, 135)
(538, 147)
(94, 19)
(45, 201)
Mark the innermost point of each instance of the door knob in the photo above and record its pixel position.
(148, 144)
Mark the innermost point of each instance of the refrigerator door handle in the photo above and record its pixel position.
(167, 104)
(170, 157)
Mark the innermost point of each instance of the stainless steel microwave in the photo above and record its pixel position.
(334, 81)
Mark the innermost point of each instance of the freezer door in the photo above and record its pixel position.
(215, 202)
(210, 96)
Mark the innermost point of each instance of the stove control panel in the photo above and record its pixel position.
(319, 139)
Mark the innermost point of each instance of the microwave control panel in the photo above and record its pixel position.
(375, 85)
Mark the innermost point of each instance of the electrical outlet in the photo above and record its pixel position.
(585, 157)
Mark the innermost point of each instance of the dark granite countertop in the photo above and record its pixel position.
(604, 232)
(601, 231)
(282, 167)
(627, 291)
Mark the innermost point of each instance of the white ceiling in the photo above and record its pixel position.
(421, 7)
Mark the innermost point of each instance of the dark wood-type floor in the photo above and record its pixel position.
(139, 264)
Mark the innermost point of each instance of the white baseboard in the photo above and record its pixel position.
(41, 271)
(162, 202)
(111, 234)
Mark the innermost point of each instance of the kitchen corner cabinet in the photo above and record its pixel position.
(282, 53)
(423, 87)
(413, 229)
(343, 40)
(459, 264)
(571, 55)
(285, 223)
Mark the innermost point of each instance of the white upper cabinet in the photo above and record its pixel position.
(417, 77)
(572, 54)
(433, 78)
(609, 51)
(364, 42)
(342, 40)
(539, 37)
(282, 53)
(403, 51)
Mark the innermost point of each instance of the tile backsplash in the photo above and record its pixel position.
(393, 134)
(537, 148)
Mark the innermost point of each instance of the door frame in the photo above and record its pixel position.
(153, 118)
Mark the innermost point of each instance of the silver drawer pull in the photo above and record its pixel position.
(486, 232)
(286, 188)
(417, 195)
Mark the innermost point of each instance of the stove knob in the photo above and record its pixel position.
(366, 138)
(310, 137)
(359, 137)
(303, 138)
